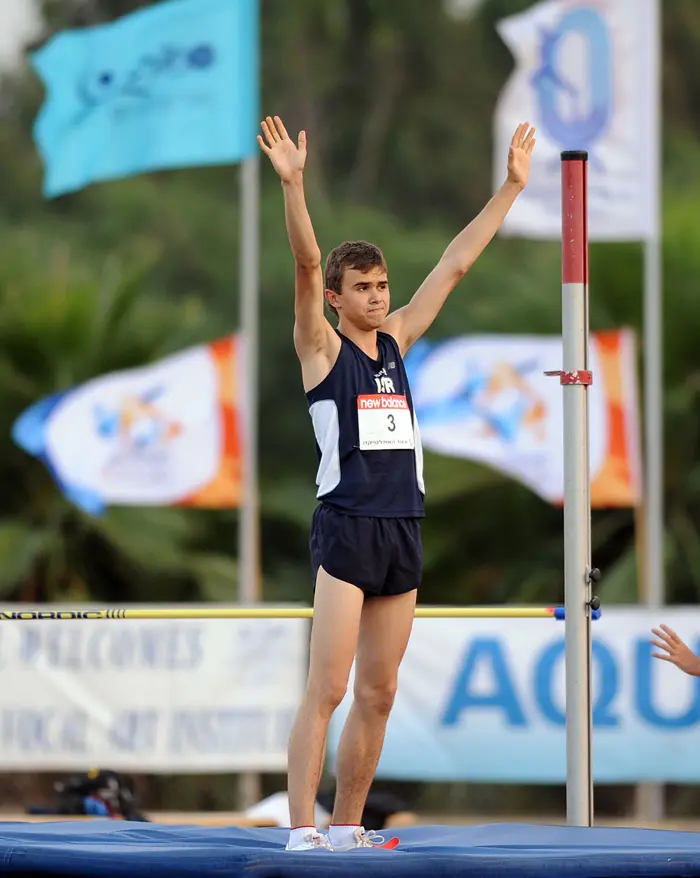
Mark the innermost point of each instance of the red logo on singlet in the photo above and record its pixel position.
(381, 401)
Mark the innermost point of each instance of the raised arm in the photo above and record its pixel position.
(313, 336)
(408, 324)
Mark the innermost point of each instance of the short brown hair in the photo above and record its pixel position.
(351, 254)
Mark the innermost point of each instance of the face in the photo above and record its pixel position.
(364, 298)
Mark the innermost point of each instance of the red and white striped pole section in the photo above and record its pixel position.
(576, 378)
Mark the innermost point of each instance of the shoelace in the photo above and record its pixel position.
(317, 840)
(369, 839)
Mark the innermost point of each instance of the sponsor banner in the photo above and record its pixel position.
(149, 696)
(484, 700)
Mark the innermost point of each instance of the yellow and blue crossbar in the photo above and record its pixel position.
(264, 612)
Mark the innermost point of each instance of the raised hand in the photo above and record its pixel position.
(287, 158)
(521, 147)
(675, 651)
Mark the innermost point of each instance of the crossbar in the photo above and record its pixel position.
(238, 612)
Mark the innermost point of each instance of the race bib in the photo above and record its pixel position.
(384, 422)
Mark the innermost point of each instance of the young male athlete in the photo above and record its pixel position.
(365, 536)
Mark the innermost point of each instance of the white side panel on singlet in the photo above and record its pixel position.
(419, 455)
(324, 417)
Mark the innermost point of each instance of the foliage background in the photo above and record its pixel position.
(397, 100)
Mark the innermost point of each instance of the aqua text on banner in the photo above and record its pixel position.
(484, 701)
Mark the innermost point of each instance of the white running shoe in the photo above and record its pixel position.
(312, 841)
(371, 839)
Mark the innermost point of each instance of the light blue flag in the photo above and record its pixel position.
(171, 86)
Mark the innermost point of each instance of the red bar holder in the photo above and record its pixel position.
(578, 376)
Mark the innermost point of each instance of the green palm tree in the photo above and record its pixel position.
(62, 322)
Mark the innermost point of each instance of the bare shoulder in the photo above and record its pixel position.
(317, 355)
(394, 326)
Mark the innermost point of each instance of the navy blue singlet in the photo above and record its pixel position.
(367, 439)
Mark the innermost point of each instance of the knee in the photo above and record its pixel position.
(376, 697)
(326, 695)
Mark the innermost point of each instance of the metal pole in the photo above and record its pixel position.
(653, 329)
(577, 509)
(249, 591)
(248, 554)
(650, 797)
(653, 405)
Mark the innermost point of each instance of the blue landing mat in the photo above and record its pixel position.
(136, 850)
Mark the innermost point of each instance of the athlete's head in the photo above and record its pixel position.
(357, 289)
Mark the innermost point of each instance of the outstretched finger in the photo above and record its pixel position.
(658, 632)
(664, 658)
(263, 146)
(274, 133)
(281, 129)
(659, 644)
(529, 137)
(518, 135)
(671, 633)
(269, 137)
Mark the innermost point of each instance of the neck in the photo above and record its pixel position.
(365, 339)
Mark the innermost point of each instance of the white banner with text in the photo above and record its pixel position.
(484, 700)
(149, 696)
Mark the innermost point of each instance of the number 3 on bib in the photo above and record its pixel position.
(384, 422)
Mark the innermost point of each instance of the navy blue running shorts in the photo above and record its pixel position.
(382, 556)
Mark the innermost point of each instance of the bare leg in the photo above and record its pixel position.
(337, 613)
(385, 628)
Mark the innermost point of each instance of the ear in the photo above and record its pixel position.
(332, 298)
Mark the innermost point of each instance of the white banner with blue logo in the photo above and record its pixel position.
(483, 700)
(149, 696)
(487, 398)
(164, 434)
(584, 76)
